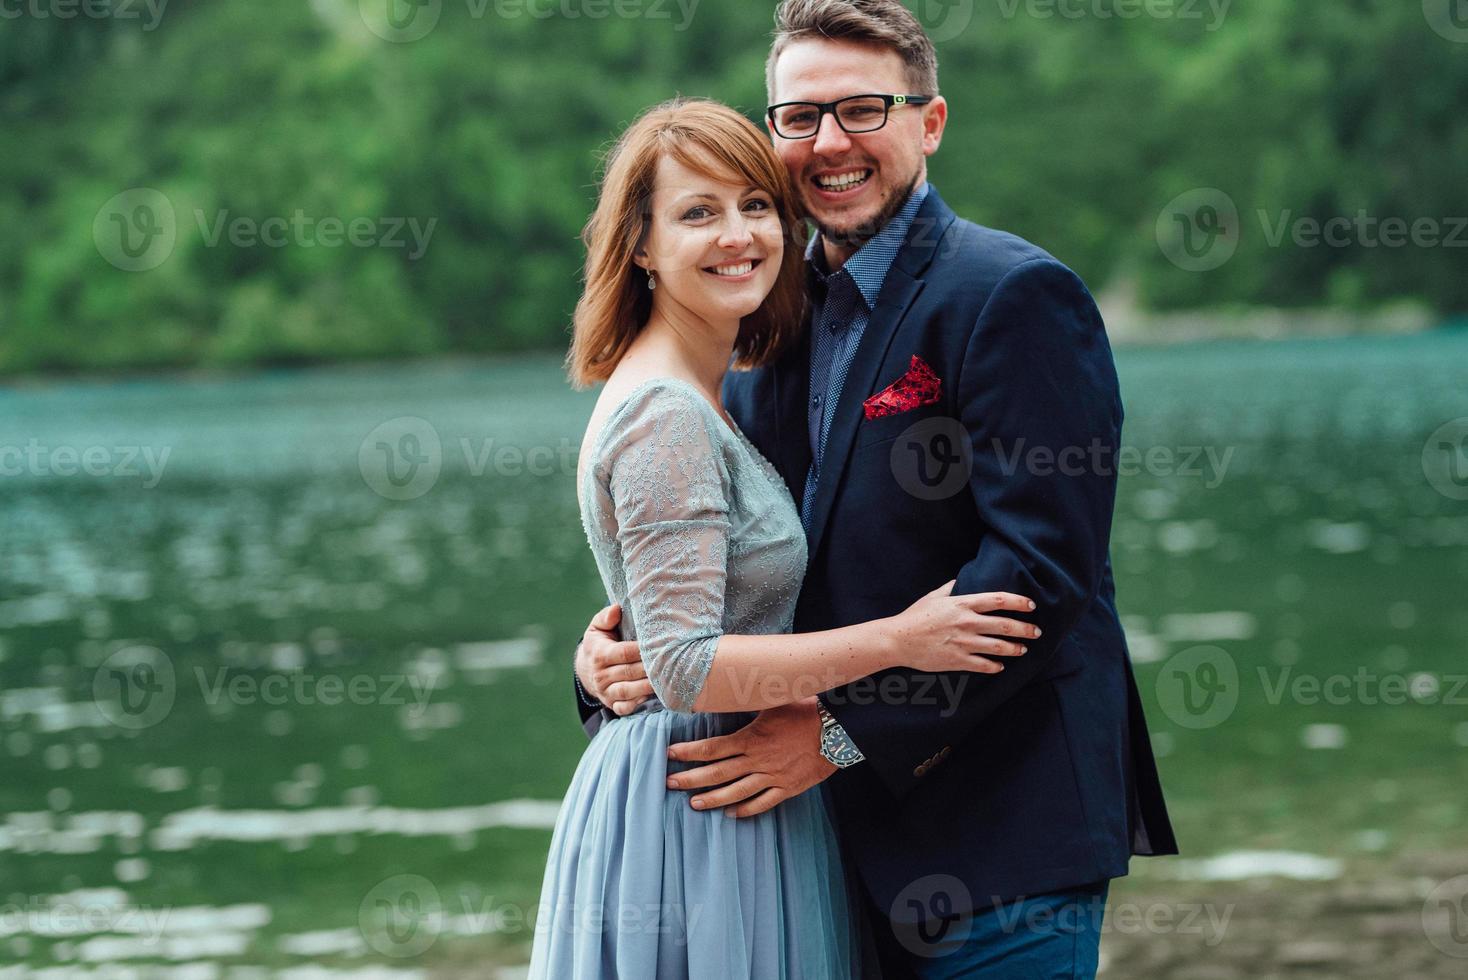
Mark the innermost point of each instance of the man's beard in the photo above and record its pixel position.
(855, 237)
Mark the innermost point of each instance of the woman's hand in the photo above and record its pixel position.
(942, 631)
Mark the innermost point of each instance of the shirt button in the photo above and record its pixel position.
(816, 401)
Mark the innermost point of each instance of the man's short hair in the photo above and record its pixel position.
(885, 23)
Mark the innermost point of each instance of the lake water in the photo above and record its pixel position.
(284, 659)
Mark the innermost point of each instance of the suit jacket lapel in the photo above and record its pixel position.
(902, 285)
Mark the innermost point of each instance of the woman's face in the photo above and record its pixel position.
(715, 247)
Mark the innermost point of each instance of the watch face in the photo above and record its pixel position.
(837, 751)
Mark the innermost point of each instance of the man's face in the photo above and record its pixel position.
(886, 164)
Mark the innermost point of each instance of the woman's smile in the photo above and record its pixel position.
(740, 270)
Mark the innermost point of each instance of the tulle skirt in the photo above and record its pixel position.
(639, 885)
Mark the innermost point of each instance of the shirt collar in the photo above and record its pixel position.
(868, 265)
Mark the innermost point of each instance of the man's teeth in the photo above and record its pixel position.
(841, 182)
(742, 268)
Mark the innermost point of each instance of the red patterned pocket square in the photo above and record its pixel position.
(919, 386)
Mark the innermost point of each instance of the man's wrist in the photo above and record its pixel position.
(837, 747)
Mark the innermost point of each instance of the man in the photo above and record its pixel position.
(950, 413)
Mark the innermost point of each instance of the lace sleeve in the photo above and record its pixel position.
(667, 484)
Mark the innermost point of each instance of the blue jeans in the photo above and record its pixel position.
(1056, 936)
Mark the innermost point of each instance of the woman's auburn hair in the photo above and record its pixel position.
(709, 138)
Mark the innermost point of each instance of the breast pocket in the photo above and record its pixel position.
(879, 431)
(926, 453)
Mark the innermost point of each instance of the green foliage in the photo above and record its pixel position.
(1073, 131)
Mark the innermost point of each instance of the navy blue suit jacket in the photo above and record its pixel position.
(1041, 777)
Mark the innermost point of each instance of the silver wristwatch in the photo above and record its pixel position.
(836, 746)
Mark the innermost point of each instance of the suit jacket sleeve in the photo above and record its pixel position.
(591, 718)
(1037, 394)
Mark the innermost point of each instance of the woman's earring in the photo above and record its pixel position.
(652, 282)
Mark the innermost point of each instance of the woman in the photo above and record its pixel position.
(698, 539)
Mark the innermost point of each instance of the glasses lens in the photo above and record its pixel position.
(797, 121)
(862, 115)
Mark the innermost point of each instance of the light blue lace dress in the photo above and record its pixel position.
(695, 535)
